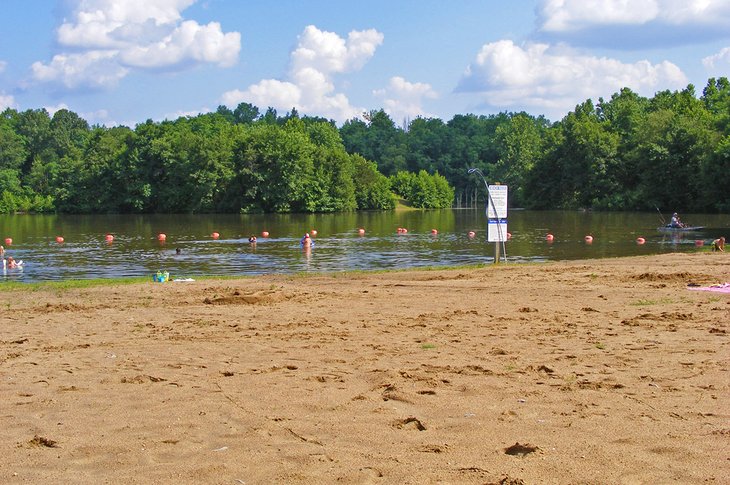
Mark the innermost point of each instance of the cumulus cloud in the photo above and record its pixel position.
(402, 99)
(106, 39)
(633, 23)
(6, 101)
(718, 62)
(553, 80)
(309, 86)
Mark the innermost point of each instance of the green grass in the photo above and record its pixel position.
(428, 346)
(648, 302)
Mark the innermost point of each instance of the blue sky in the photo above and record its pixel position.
(123, 62)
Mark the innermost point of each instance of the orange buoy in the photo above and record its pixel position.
(588, 239)
(549, 238)
(361, 231)
(640, 241)
(265, 234)
(472, 234)
(313, 232)
(59, 239)
(405, 231)
(8, 241)
(434, 231)
(215, 235)
(109, 238)
(161, 236)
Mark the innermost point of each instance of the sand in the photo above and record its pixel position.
(602, 371)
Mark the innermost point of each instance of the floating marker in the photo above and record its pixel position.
(8, 241)
(161, 237)
(549, 238)
(434, 231)
(313, 232)
(640, 241)
(361, 231)
(265, 234)
(59, 239)
(588, 239)
(215, 235)
(472, 234)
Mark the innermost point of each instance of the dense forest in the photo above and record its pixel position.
(625, 153)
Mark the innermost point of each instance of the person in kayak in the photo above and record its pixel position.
(675, 222)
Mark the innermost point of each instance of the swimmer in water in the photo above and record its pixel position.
(306, 241)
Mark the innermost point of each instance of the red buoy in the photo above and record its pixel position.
(59, 239)
(549, 238)
(265, 234)
(215, 235)
(8, 241)
(640, 241)
(313, 232)
(361, 231)
(434, 231)
(588, 239)
(509, 236)
(472, 234)
(109, 238)
(161, 236)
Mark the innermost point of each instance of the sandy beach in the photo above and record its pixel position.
(599, 372)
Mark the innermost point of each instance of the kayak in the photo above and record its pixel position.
(679, 229)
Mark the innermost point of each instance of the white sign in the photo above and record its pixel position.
(498, 196)
(496, 230)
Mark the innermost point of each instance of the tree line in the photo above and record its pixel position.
(625, 153)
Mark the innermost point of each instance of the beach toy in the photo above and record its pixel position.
(215, 235)
(588, 239)
(8, 241)
(161, 277)
(265, 234)
(59, 239)
(640, 241)
(699, 243)
(161, 237)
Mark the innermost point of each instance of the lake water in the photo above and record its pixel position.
(136, 250)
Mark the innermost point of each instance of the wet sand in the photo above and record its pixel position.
(602, 371)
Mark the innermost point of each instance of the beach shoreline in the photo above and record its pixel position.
(593, 371)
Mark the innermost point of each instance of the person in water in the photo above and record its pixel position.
(252, 239)
(719, 244)
(675, 222)
(11, 263)
(306, 241)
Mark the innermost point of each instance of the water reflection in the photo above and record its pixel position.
(460, 238)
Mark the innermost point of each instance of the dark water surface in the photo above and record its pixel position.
(136, 251)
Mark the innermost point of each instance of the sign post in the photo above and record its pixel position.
(497, 216)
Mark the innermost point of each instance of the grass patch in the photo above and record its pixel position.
(649, 302)
(600, 346)
(428, 346)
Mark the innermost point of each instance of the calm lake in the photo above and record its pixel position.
(136, 250)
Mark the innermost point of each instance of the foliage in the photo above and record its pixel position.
(625, 153)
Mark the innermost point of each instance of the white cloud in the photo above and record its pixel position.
(106, 39)
(6, 101)
(554, 80)
(95, 69)
(309, 86)
(403, 99)
(573, 15)
(719, 61)
(2, 65)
